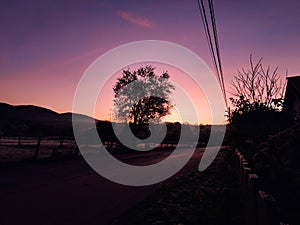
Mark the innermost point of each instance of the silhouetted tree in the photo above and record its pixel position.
(258, 86)
(257, 101)
(256, 89)
(142, 96)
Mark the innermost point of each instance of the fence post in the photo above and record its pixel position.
(237, 161)
(19, 141)
(36, 153)
(251, 211)
(260, 208)
(244, 171)
(61, 142)
(245, 191)
(76, 150)
(267, 213)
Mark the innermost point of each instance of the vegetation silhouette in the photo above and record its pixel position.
(265, 129)
(257, 101)
(141, 96)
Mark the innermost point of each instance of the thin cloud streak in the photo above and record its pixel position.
(135, 19)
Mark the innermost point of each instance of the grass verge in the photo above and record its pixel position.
(210, 197)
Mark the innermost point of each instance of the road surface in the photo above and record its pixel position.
(70, 192)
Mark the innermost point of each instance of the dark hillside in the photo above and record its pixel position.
(29, 120)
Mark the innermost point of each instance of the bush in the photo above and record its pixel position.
(277, 159)
(252, 123)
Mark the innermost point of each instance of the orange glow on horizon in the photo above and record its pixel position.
(183, 83)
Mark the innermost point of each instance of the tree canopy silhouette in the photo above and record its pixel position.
(256, 89)
(257, 104)
(142, 96)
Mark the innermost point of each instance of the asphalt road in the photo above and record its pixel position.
(70, 192)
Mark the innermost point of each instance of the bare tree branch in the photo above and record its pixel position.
(257, 84)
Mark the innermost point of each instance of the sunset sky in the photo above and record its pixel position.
(46, 46)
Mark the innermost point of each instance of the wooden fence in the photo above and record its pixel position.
(39, 147)
(33, 141)
(260, 207)
(54, 143)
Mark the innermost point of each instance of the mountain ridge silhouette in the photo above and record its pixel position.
(29, 120)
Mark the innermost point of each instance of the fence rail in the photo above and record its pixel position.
(260, 207)
(19, 148)
(33, 141)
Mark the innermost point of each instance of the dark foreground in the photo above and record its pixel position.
(70, 192)
(209, 198)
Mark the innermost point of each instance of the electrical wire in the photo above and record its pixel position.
(208, 36)
(213, 45)
(213, 20)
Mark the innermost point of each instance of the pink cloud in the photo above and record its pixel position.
(135, 19)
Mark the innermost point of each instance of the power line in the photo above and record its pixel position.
(213, 20)
(213, 45)
(208, 36)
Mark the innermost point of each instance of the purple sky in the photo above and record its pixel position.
(47, 45)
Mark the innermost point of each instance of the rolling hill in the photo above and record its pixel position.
(30, 120)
